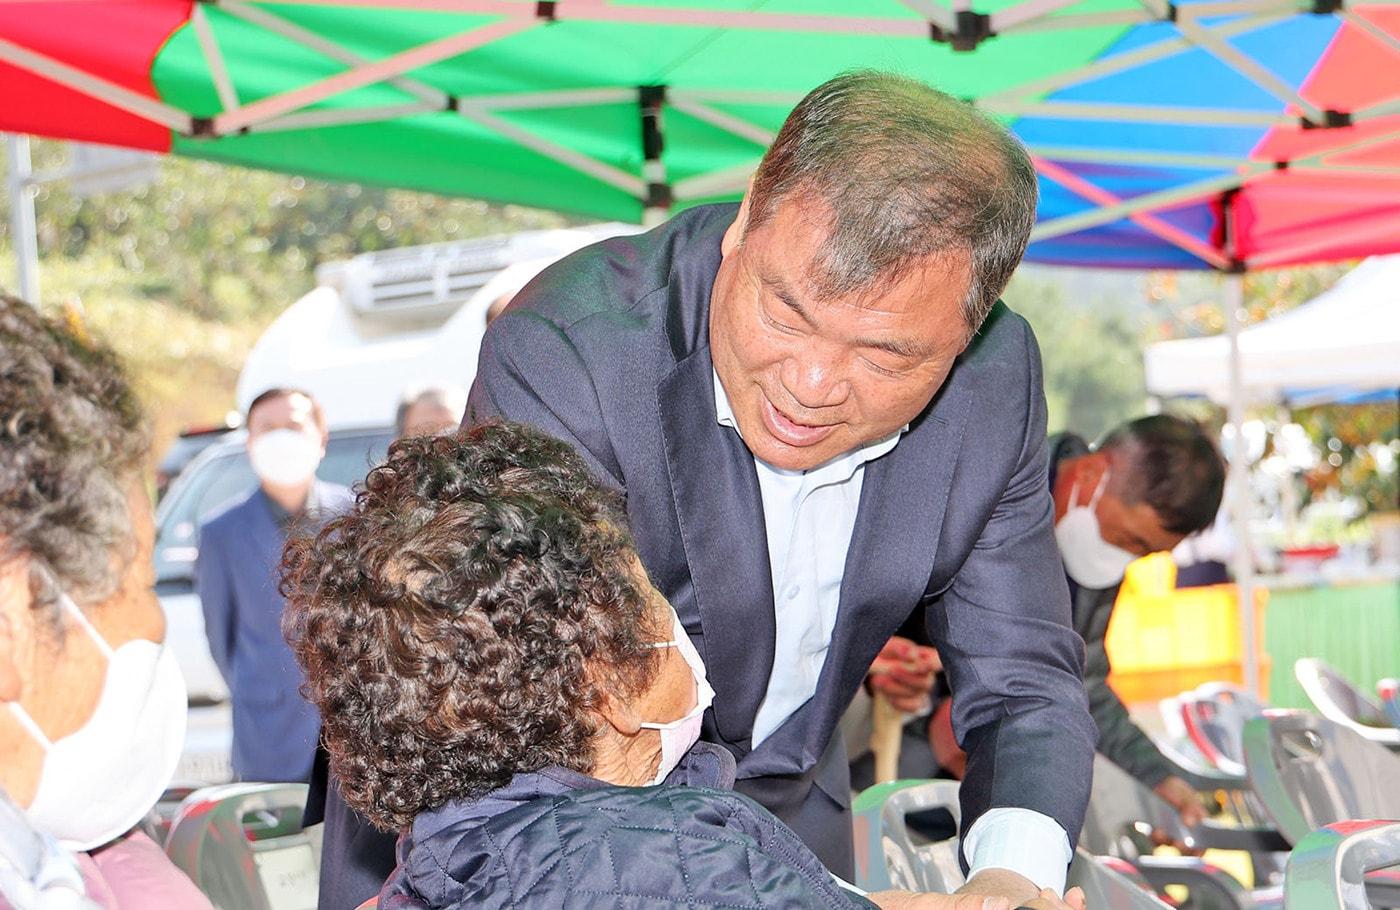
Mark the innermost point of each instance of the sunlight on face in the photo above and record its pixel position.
(811, 379)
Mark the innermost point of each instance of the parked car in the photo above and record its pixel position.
(183, 450)
(217, 476)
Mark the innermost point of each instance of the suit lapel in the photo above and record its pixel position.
(720, 512)
(903, 499)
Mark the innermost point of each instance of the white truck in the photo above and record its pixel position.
(375, 326)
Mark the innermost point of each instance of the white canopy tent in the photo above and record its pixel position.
(1344, 342)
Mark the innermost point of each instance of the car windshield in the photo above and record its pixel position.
(227, 475)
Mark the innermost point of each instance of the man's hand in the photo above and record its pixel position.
(1019, 891)
(908, 900)
(1184, 799)
(905, 672)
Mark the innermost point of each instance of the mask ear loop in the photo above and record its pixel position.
(66, 604)
(1098, 492)
(30, 727)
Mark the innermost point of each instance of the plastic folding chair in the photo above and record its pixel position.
(243, 845)
(1335, 868)
(1389, 692)
(1339, 701)
(1122, 815)
(1311, 772)
(890, 855)
(1218, 713)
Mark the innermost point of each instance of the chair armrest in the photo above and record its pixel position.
(1328, 868)
(1211, 888)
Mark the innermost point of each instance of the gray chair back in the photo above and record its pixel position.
(1340, 702)
(1107, 889)
(889, 855)
(1328, 869)
(243, 845)
(1122, 812)
(1310, 772)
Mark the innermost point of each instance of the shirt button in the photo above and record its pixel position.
(794, 592)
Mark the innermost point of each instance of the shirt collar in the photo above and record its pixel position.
(841, 464)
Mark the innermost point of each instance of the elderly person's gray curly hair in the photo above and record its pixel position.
(71, 441)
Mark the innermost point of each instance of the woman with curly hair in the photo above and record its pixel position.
(93, 713)
(500, 682)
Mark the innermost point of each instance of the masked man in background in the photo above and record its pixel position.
(1148, 485)
(240, 548)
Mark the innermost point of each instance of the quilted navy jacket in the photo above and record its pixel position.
(559, 839)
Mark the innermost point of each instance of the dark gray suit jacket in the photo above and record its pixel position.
(609, 350)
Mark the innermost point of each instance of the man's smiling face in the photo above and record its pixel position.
(812, 378)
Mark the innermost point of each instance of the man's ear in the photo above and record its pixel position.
(734, 234)
(618, 713)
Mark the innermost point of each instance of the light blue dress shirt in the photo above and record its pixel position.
(809, 517)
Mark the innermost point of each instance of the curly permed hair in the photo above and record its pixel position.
(459, 624)
(71, 441)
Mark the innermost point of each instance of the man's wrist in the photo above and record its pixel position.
(1002, 883)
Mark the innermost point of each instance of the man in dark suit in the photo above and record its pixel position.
(240, 548)
(826, 330)
(821, 419)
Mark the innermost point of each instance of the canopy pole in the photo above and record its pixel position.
(1237, 480)
(22, 228)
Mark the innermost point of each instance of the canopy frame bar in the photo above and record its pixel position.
(345, 116)
(1141, 56)
(118, 96)
(1370, 28)
(1089, 155)
(279, 25)
(367, 74)
(934, 13)
(1151, 223)
(1248, 67)
(727, 122)
(729, 180)
(615, 177)
(1135, 113)
(1079, 221)
(213, 58)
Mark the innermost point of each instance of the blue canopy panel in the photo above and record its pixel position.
(1173, 154)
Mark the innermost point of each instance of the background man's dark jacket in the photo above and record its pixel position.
(1121, 740)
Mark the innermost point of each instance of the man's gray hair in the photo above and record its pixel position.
(906, 172)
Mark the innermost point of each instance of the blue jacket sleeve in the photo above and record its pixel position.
(1014, 663)
(216, 599)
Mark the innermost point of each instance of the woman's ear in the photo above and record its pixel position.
(14, 608)
(618, 713)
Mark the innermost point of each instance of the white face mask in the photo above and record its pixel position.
(285, 457)
(1089, 559)
(677, 736)
(97, 782)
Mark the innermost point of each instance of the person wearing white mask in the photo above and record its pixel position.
(1148, 485)
(93, 714)
(502, 685)
(1144, 488)
(274, 728)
